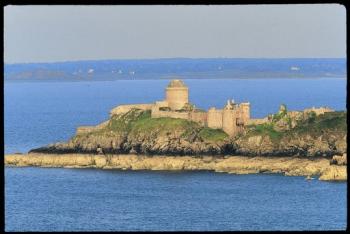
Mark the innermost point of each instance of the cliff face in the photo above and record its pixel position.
(136, 132)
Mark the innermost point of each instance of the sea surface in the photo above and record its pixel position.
(48, 199)
(41, 199)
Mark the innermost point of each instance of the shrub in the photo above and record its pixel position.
(210, 134)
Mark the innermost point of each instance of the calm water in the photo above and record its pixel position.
(84, 199)
(40, 199)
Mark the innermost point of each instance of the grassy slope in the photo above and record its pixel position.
(331, 122)
(137, 122)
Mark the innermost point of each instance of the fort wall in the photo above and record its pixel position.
(229, 121)
(125, 108)
(199, 117)
(171, 114)
(257, 121)
(87, 129)
(318, 111)
(214, 118)
(245, 112)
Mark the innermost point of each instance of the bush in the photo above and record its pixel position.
(210, 134)
(266, 129)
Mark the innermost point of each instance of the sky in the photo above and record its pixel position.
(70, 33)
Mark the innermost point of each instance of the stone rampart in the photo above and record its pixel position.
(229, 121)
(257, 121)
(318, 111)
(199, 117)
(125, 108)
(87, 129)
(214, 118)
(171, 114)
(245, 112)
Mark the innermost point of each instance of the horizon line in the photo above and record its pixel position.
(168, 58)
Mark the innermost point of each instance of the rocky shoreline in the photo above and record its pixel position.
(290, 166)
(292, 143)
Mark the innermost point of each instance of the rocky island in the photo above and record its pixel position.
(175, 135)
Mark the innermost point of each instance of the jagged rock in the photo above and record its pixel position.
(99, 150)
(339, 160)
(334, 173)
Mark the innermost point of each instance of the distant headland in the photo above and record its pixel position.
(187, 68)
(174, 127)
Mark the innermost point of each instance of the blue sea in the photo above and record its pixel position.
(41, 199)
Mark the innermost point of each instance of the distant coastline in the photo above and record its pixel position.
(150, 69)
(170, 77)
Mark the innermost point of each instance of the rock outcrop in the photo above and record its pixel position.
(304, 144)
(291, 166)
(136, 132)
(339, 160)
(322, 135)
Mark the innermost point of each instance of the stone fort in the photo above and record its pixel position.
(231, 119)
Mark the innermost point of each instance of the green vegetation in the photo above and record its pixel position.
(330, 121)
(311, 116)
(281, 113)
(313, 125)
(137, 122)
(163, 124)
(121, 124)
(265, 129)
(214, 135)
(125, 122)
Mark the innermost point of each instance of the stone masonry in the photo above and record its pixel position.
(231, 119)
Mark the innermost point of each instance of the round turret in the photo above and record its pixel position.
(176, 94)
(176, 83)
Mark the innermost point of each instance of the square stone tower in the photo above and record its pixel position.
(176, 94)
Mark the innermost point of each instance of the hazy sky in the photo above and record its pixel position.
(63, 33)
